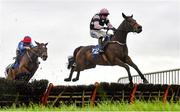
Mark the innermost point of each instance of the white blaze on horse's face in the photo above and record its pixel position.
(44, 52)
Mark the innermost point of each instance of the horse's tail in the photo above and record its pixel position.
(7, 70)
(71, 59)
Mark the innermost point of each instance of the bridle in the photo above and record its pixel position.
(130, 25)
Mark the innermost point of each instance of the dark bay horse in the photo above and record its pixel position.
(115, 52)
(28, 64)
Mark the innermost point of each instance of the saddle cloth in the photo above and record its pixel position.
(95, 50)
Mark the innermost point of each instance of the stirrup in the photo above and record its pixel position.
(74, 64)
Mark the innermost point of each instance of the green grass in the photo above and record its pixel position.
(105, 106)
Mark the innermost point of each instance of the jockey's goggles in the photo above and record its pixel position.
(104, 14)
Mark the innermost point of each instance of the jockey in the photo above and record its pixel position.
(97, 24)
(23, 45)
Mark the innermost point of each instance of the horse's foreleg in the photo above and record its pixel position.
(70, 75)
(29, 76)
(130, 62)
(23, 70)
(32, 72)
(77, 77)
(122, 64)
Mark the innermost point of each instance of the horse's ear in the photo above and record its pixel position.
(46, 44)
(36, 42)
(131, 15)
(124, 16)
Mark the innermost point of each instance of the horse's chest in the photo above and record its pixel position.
(31, 66)
(122, 52)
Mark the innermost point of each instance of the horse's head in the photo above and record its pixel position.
(42, 50)
(131, 24)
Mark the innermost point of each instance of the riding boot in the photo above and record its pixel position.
(100, 43)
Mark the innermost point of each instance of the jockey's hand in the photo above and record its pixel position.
(113, 29)
(27, 48)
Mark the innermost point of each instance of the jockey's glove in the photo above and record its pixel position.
(27, 48)
(113, 29)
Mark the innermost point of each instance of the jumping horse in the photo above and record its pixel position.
(28, 63)
(115, 52)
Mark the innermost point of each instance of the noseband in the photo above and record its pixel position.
(131, 26)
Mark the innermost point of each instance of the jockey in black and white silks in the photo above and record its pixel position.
(97, 24)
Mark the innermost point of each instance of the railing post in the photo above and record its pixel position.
(132, 97)
(83, 102)
(93, 96)
(166, 94)
(46, 94)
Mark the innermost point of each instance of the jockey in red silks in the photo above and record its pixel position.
(97, 24)
(23, 45)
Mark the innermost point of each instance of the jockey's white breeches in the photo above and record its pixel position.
(97, 33)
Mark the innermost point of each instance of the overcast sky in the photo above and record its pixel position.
(64, 24)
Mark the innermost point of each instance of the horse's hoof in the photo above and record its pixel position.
(131, 84)
(145, 81)
(67, 79)
(75, 79)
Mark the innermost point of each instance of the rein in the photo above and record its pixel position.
(118, 43)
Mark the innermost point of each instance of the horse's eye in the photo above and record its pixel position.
(129, 21)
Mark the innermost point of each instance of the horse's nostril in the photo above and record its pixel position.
(139, 27)
(44, 57)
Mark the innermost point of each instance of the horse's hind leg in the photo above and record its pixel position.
(77, 77)
(130, 62)
(70, 75)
